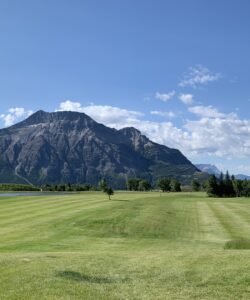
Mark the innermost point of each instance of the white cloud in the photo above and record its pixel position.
(186, 98)
(14, 115)
(226, 136)
(207, 111)
(108, 115)
(213, 134)
(164, 96)
(167, 114)
(70, 106)
(198, 75)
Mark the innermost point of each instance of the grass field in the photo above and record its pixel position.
(136, 246)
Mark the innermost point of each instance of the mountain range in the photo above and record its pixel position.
(67, 146)
(213, 170)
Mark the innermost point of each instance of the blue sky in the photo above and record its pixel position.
(178, 70)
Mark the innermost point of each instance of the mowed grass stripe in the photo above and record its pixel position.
(60, 227)
(232, 225)
(40, 232)
(20, 201)
(42, 205)
(240, 225)
(23, 202)
(173, 219)
(11, 204)
(181, 219)
(48, 215)
(241, 209)
(211, 228)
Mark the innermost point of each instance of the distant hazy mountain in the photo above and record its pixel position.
(71, 147)
(242, 176)
(210, 169)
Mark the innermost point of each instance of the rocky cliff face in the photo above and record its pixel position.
(71, 147)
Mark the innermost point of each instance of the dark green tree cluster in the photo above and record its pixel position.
(226, 186)
(167, 185)
(137, 184)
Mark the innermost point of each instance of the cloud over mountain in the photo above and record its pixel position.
(14, 115)
(214, 133)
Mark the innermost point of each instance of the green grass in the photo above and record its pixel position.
(136, 246)
(237, 244)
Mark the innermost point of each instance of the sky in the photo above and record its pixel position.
(178, 70)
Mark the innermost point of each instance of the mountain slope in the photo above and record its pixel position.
(71, 147)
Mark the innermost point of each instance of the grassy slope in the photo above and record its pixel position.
(137, 246)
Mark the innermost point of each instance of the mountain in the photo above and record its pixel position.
(242, 176)
(71, 147)
(210, 169)
(213, 170)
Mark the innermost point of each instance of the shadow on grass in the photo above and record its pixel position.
(237, 244)
(76, 276)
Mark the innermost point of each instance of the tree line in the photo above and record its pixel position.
(18, 187)
(132, 184)
(164, 184)
(68, 187)
(223, 186)
(227, 186)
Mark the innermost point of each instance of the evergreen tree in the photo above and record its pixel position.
(238, 187)
(221, 186)
(228, 186)
(246, 188)
(212, 186)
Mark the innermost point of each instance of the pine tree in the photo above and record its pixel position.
(212, 186)
(229, 189)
